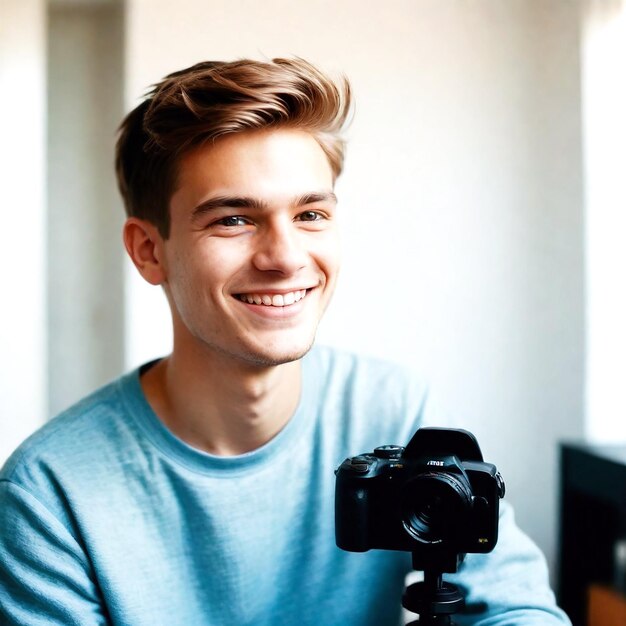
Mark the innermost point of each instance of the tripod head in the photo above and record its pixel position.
(433, 600)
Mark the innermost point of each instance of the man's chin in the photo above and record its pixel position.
(259, 355)
(273, 358)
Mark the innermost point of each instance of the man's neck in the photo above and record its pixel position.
(221, 405)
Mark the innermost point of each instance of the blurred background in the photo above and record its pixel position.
(482, 205)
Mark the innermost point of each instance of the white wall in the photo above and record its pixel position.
(22, 179)
(461, 201)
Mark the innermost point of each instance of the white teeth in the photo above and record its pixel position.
(275, 299)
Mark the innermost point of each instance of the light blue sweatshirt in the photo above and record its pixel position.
(107, 518)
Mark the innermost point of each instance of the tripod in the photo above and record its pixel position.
(433, 599)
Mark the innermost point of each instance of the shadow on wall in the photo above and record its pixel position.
(85, 253)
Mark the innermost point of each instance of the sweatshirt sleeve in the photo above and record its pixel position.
(45, 576)
(509, 586)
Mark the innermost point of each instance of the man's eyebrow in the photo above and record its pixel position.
(227, 202)
(246, 202)
(318, 196)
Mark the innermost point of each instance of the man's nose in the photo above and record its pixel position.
(279, 248)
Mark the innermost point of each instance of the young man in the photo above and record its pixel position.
(199, 490)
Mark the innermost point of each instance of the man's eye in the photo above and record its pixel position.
(232, 220)
(310, 216)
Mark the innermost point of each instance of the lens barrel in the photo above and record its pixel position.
(435, 505)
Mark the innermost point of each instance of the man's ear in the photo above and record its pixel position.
(144, 245)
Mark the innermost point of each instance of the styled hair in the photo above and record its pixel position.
(204, 102)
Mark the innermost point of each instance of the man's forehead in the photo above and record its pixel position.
(278, 164)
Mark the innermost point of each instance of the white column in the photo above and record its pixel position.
(22, 250)
(604, 106)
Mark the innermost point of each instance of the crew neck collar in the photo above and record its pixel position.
(202, 462)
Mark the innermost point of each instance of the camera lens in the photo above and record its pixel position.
(434, 506)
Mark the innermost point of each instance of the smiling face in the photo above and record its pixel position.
(252, 257)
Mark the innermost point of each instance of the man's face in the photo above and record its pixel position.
(252, 257)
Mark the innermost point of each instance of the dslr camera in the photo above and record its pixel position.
(435, 498)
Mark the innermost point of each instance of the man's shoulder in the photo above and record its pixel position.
(367, 398)
(76, 435)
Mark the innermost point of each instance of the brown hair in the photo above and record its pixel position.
(211, 99)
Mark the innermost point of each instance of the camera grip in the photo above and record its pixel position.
(351, 510)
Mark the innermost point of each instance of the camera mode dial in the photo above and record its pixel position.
(389, 452)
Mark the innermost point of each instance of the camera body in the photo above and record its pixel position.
(435, 498)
